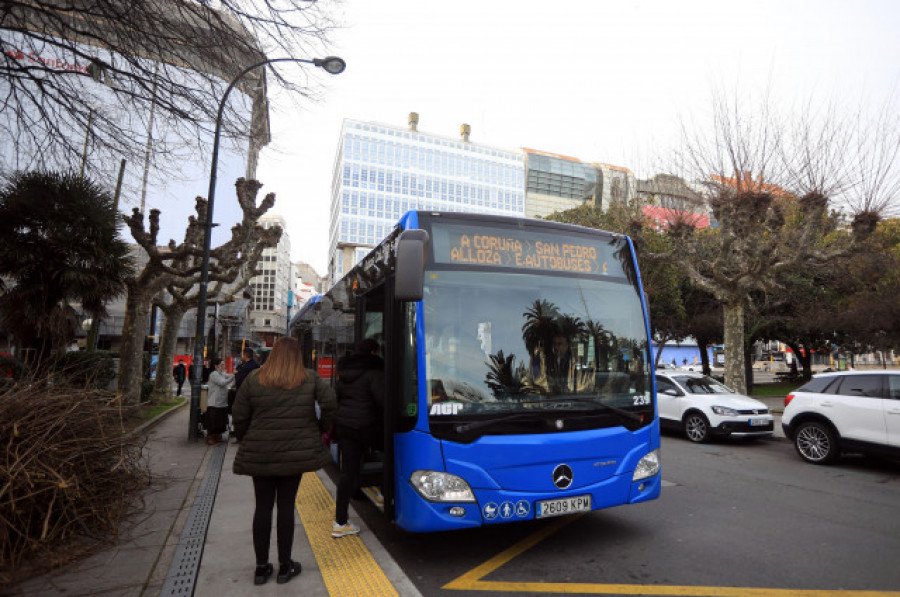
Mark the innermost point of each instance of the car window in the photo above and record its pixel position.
(894, 386)
(817, 384)
(862, 385)
(703, 385)
(663, 384)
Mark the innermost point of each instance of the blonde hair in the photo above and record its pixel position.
(284, 367)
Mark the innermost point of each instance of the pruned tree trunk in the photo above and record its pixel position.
(173, 313)
(748, 367)
(734, 345)
(702, 344)
(134, 331)
(804, 357)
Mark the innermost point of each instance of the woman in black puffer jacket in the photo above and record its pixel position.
(274, 419)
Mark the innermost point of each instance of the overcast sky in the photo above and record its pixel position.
(595, 79)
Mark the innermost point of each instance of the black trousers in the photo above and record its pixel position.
(216, 420)
(269, 491)
(352, 443)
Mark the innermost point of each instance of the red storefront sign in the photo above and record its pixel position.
(325, 367)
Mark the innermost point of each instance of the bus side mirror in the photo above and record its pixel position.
(410, 265)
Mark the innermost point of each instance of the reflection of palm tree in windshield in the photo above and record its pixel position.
(540, 325)
(604, 344)
(505, 378)
(549, 337)
(561, 362)
(624, 255)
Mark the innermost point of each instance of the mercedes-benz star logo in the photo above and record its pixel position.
(562, 476)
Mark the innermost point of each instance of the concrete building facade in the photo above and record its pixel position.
(269, 289)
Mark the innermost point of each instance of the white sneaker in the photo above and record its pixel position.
(342, 530)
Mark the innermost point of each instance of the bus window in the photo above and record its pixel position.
(409, 400)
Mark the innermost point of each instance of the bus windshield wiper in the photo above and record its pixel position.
(593, 401)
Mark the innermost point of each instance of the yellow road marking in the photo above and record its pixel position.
(471, 580)
(347, 567)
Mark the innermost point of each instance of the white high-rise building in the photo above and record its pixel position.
(382, 171)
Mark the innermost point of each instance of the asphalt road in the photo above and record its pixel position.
(733, 515)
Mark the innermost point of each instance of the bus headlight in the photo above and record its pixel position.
(647, 467)
(435, 486)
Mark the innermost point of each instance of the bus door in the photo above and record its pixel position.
(393, 324)
(370, 319)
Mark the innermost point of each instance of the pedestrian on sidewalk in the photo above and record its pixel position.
(179, 373)
(360, 391)
(217, 402)
(248, 365)
(274, 419)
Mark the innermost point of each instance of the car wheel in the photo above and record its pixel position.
(816, 443)
(696, 427)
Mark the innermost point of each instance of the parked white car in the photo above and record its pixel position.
(855, 411)
(703, 407)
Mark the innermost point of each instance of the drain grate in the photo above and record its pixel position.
(182, 574)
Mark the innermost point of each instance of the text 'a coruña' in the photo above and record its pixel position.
(511, 252)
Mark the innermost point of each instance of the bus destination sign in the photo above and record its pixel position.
(518, 249)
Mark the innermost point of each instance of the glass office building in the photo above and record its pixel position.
(557, 182)
(382, 171)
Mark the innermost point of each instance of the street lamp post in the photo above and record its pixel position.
(332, 65)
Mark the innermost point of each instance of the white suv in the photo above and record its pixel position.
(844, 411)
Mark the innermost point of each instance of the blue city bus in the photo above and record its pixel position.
(518, 377)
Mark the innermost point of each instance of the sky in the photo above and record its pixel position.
(598, 80)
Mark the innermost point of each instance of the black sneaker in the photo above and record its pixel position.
(287, 571)
(263, 573)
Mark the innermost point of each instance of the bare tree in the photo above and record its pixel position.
(180, 297)
(171, 57)
(768, 186)
(180, 266)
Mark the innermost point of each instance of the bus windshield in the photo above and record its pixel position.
(533, 353)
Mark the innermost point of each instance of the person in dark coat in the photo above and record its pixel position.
(207, 371)
(248, 365)
(179, 373)
(274, 419)
(360, 391)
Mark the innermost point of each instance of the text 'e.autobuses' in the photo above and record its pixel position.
(484, 249)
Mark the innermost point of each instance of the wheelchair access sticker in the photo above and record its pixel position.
(506, 510)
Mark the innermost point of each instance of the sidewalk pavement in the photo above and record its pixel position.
(149, 551)
(342, 567)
